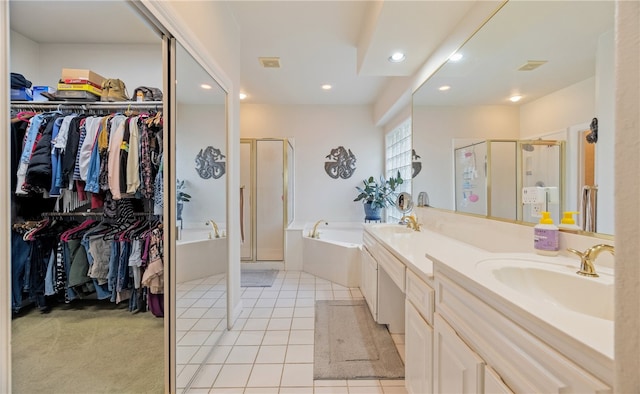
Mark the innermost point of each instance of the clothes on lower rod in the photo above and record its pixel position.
(62, 259)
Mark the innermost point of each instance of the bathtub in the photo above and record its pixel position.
(197, 256)
(334, 256)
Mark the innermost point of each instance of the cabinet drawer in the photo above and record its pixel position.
(421, 296)
(369, 242)
(392, 266)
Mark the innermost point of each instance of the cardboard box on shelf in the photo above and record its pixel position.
(80, 86)
(81, 76)
(38, 90)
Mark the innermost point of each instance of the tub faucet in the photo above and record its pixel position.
(315, 233)
(411, 222)
(588, 257)
(214, 226)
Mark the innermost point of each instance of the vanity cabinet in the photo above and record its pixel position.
(493, 383)
(457, 368)
(383, 284)
(418, 374)
(369, 281)
(470, 332)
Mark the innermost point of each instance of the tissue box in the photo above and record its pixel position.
(22, 94)
(37, 90)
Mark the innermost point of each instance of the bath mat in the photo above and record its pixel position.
(349, 344)
(257, 278)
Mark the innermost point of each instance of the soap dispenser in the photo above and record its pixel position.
(546, 236)
(568, 223)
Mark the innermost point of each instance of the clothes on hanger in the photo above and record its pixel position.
(88, 153)
(64, 260)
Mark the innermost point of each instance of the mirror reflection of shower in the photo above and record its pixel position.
(542, 168)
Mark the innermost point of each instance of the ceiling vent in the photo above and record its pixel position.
(270, 62)
(531, 65)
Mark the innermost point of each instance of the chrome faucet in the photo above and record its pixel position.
(214, 226)
(315, 233)
(588, 257)
(411, 222)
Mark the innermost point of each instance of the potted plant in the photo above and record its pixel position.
(181, 197)
(377, 194)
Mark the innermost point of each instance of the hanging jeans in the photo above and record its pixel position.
(112, 278)
(19, 269)
(40, 253)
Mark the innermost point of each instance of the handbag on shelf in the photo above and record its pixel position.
(114, 90)
(146, 93)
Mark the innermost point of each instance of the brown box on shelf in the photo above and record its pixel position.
(81, 75)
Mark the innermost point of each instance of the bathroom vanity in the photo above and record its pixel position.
(479, 321)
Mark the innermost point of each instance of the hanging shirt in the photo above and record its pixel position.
(133, 165)
(56, 158)
(92, 127)
(29, 143)
(113, 165)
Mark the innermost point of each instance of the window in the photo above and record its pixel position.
(398, 158)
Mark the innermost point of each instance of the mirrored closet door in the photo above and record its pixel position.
(201, 224)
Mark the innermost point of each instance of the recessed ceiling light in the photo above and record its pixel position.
(242, 96)
(444, 87)
(455, 57)
(397, 57)
(515, 98)
(326, 86)
(205, 86)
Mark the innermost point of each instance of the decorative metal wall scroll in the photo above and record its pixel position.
(208, 164)
(416, 166)
(344, 163)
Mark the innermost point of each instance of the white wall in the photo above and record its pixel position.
(209, 28)
(434, 129)
(137, 65)
(316, 130)
(572, 105)
(605, 154)
(197, 127)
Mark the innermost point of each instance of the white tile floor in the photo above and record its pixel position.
(270, 348)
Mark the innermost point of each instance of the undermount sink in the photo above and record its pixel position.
(554, 283)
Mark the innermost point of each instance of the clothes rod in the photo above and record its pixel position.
(53, 105)
(54, 214)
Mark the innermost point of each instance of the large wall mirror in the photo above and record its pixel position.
(558, 57)
(201, 246)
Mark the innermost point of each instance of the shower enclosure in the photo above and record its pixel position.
(266, 173)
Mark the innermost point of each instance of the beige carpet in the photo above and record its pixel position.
(87, 347)
(349, 344)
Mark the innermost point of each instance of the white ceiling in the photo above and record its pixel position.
(347, 43)
(564, 33)
(342, 43)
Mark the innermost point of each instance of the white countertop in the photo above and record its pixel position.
(572, 333)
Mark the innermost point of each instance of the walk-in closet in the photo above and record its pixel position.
(118, 206)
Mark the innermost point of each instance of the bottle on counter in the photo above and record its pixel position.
(568, 223)
(546, 236)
